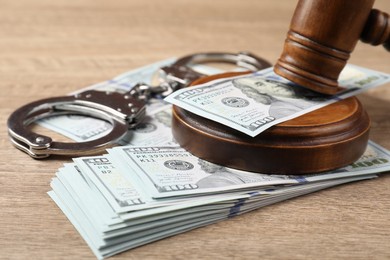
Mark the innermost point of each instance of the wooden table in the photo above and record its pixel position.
(50, 48)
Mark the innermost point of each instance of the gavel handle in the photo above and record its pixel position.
(377, 29)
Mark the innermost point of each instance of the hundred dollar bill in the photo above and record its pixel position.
(123, 194)
(168, 171)
(253, 103)
(116, 189)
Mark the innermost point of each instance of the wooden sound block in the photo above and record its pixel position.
(323, 140)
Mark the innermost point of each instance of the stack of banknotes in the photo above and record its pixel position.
(150, 188)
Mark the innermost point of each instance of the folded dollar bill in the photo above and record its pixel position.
(255, 102)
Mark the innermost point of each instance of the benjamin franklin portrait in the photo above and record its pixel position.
(284, 99)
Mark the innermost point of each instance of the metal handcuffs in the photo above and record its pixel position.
(122, 111)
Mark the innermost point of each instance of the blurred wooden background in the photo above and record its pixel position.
(50, 48)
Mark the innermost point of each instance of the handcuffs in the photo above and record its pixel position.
(122, 111)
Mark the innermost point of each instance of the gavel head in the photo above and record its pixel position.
(322, 35)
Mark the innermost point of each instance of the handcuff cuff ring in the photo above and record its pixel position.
(121, 111)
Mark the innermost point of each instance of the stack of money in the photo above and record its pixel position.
(151, 188)
(138, 194)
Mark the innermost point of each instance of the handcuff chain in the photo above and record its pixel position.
(145, 92)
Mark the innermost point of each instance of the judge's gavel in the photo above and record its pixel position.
(322, 35)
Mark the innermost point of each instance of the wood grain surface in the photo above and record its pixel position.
(51, 48)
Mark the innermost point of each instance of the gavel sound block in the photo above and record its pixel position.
(322, 35)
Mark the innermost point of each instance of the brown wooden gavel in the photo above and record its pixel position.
(322, 35)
